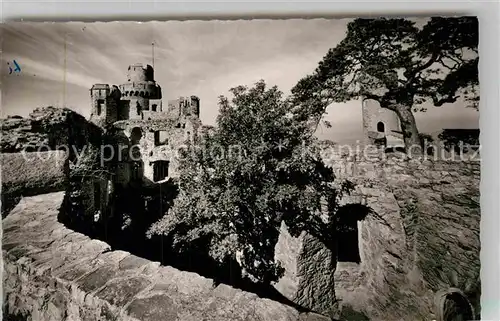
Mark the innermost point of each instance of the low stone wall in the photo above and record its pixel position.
(27, 174)
(53, 273)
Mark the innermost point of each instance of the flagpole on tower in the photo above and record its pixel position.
(64, 70)
(153, 53)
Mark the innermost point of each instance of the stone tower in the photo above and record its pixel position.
(105, 104)
(379, 123)
(139, 89)
(184, 107)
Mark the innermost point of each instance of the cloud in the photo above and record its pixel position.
(204, 58)
(56, 73)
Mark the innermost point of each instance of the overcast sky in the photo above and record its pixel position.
(203, 58)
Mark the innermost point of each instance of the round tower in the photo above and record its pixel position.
(378, 122)
(137, 73)
(139, 89)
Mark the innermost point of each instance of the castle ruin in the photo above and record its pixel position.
(142, 138)
(136, 116)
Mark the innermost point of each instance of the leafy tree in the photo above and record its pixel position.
(460, 139)
(426, 141)
(257, 169)
(399, 65)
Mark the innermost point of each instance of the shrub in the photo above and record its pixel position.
(457, 139)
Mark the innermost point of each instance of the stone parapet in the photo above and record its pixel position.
(53, 273)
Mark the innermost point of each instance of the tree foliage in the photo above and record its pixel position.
(257, 169)
(399, 65)
(460, 139)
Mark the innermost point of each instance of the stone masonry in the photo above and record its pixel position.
(141, 142)
(421, 238)
(52, 273)
(380, 123)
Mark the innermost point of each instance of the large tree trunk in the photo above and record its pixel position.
(410, 131)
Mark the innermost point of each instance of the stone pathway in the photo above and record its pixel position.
(53, 273)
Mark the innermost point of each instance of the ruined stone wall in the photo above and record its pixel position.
(149, 115)
(123, 110)
(177, 133)
(30, 174)
(52, 273)
(47, 128)
(17, 135)
(158, 103)
(99, 95)
(184, 106)
(112, 105)
(421, 237)
(41, 169)
(137, 105)
(373, 114)
(309, 265)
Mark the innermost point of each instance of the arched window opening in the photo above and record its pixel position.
(453, 305)
(380, 127)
